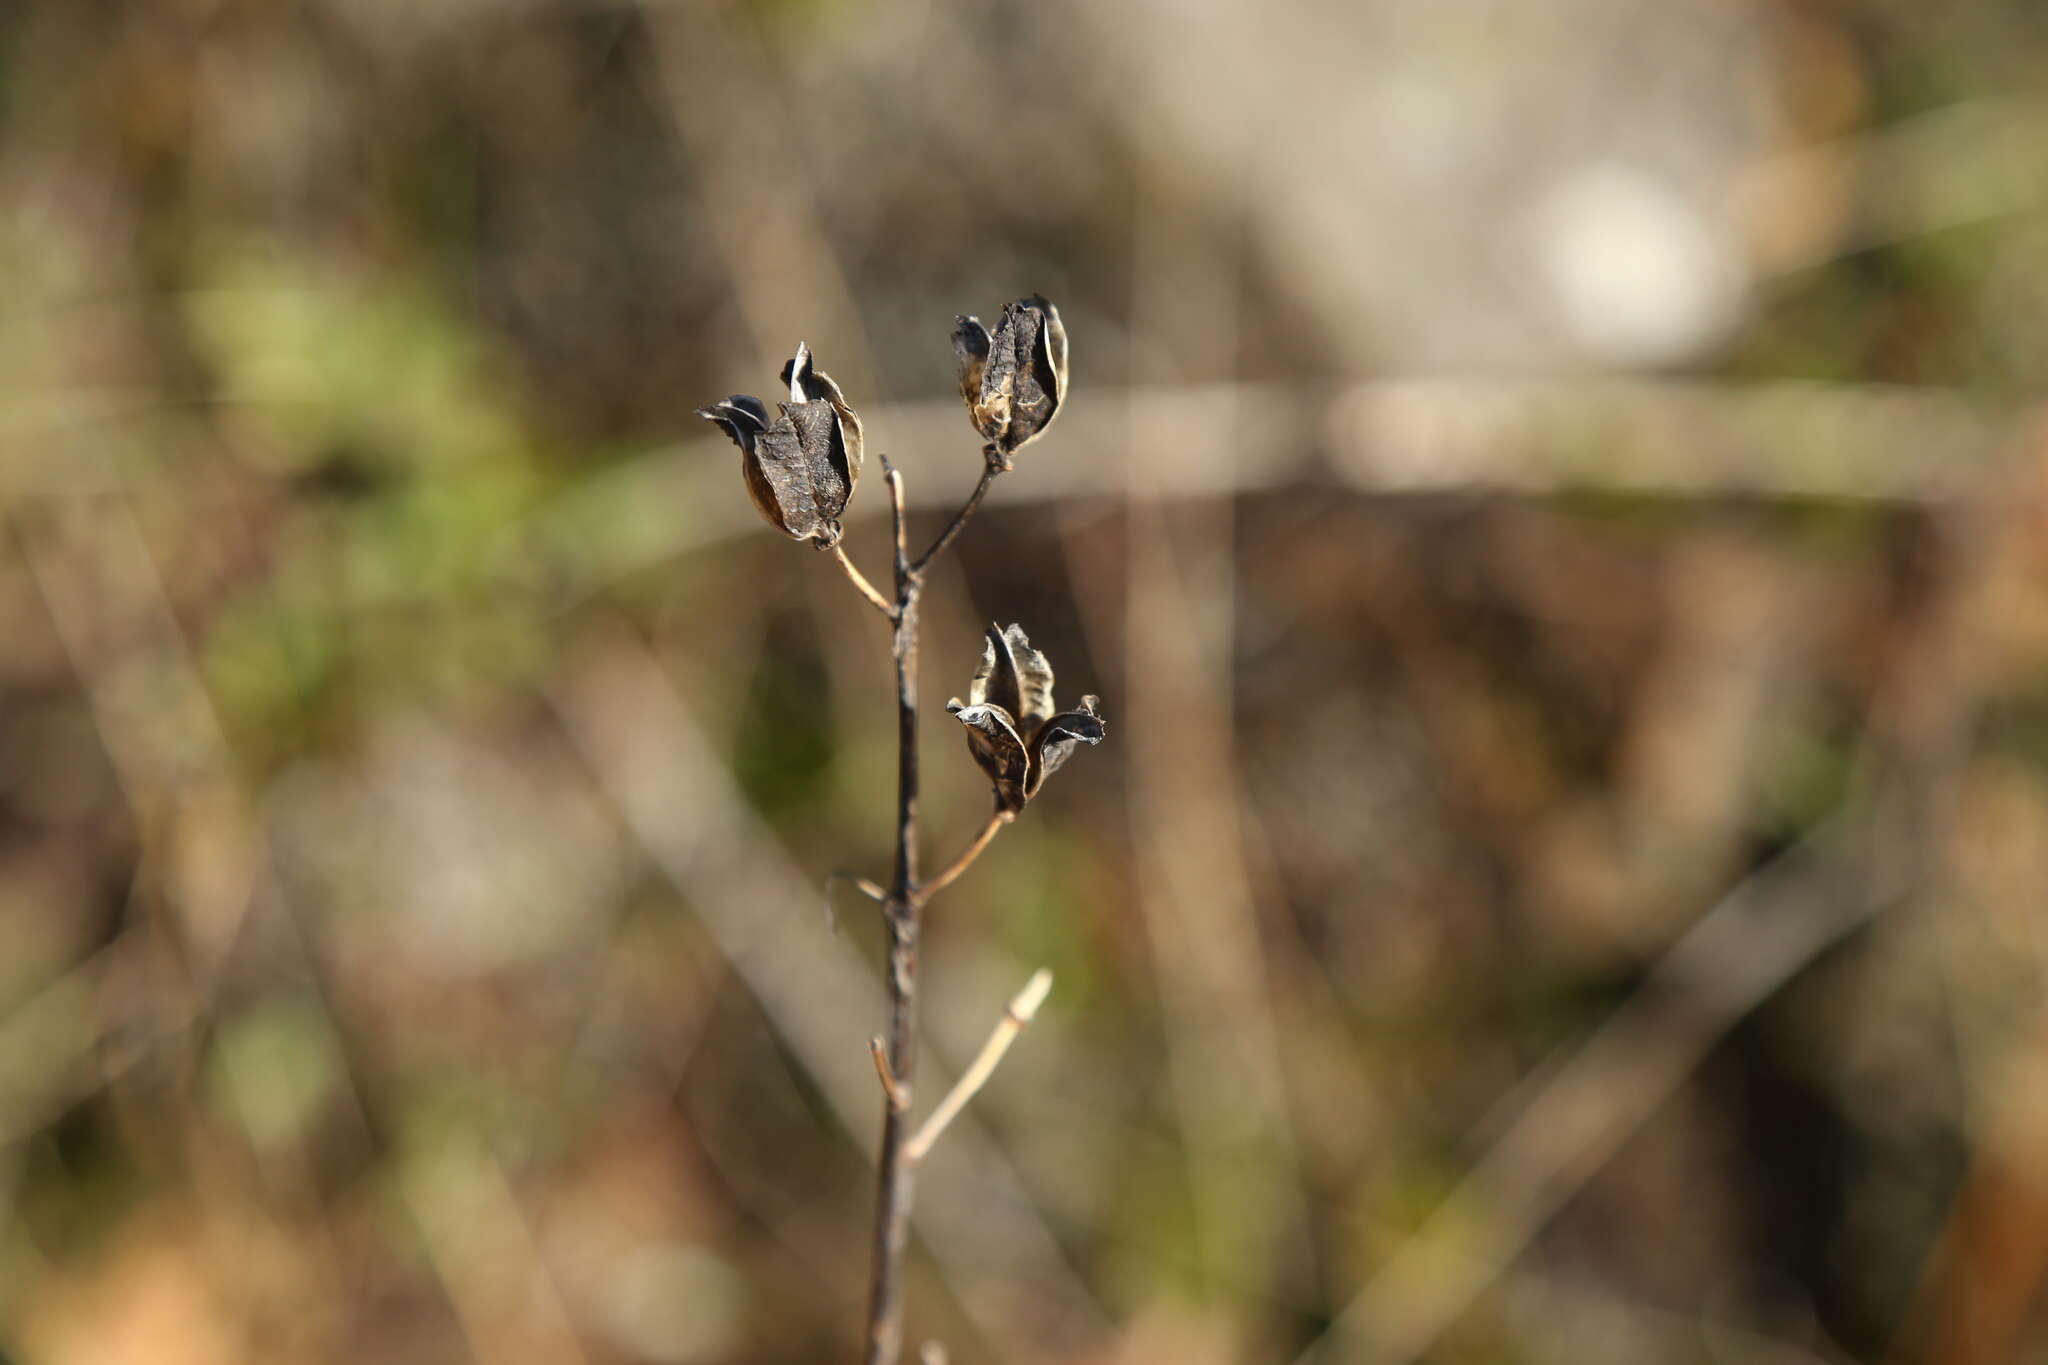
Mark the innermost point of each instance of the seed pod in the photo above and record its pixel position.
(801, 467)
(1013, 379)
(809, 384)
(1012, 730)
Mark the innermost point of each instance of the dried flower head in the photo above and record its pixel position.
(801, 467)
(1012, 729)
(1014, 378)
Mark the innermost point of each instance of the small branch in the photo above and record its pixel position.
(894, 478)
(988, 476)
(996, 820)
(864, 885)
(1014, 1021)
(898, 1100)
(859, 883)
(860, 581)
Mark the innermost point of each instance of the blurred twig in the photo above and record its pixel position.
(104, 592)
(1170, 617)
(1880, 851)
(484, 1251)
(729, 117)
(1990, 1260)
(1023, 1008)
(1775, 923)
(1962, 163)
(1580, 1309)
(50, 1040)
(1858, 443)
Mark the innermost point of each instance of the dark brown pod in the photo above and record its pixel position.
(1014, 378)
(801, 467)
(1012, 729)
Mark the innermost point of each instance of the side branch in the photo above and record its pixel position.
(860, 581)
(953, 528)
(892, 1089)
(1014, 1021)
(996, 820)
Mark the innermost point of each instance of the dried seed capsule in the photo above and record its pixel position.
(1012, 730)
(801, 467)
(1014, 378)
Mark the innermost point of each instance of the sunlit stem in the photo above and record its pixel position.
(996, 820)
(860, 581)
(892, 1089)
(1014, 1021)
(954, 527)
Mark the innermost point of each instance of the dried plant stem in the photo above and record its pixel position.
(896, 1060)
(896, 1181)
(953, 528)
(890, 1090)
(860, 581)
(894, 478)
(996, 820)
(1022, 1008)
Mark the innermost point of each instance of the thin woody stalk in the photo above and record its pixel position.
(860, 583)
(801, 463)
(996, 821)
(896, 1179)
(946, 537)
(902, 913)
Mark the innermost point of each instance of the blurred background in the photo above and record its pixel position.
(1553, 501)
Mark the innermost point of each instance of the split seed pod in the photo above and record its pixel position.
(802, 466)
(1012, 730)
(1014, 378)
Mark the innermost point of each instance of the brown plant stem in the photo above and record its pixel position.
(896, 1055)
(860, 581)
(890, 1090)
(946, 537)
(896, 1060)
(996, 820)
(896, 1180)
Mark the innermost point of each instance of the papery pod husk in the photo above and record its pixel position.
(999, 750)
(801, 468)
(777, 475)
(809, 384)
(1013, 676)
(1039, 344)
(970, 349)
(743, 417)
(1054, 741)
(1014, 378)
(782, 479)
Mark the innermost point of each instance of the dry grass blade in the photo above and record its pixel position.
(1777, 922)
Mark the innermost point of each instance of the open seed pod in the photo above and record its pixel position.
(1014, 378)
(802, 466)
(1013, 730)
